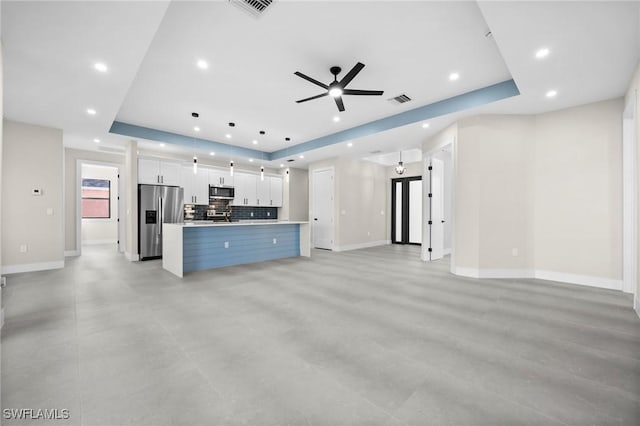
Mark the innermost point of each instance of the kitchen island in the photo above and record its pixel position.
(189, 247)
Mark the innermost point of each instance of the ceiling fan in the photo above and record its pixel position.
(338, 88)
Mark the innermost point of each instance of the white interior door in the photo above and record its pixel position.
(436, 210)
(322, 214)
(415, 211)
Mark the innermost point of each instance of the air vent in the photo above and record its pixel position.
(377, 151)
(400, 99)
(255, 8)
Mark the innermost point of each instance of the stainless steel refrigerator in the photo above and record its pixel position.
(157, 205)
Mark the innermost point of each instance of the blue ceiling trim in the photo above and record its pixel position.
(219, 148)
(475, 98)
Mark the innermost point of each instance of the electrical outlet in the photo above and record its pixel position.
(268, 214)
(514, 252)
(49, 211)
(23, 248)
(226, 244)
(368, 233)
(275, 241)
(251, 214)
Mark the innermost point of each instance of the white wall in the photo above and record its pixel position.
(297, 200)
(578, 190)
(541, 195)
(100, 231)
(360, 208)
(71, 157)
(32, 158)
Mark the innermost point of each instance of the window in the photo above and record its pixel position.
(96, 199)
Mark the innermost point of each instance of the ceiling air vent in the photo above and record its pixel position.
(254, 7)
(400, 99)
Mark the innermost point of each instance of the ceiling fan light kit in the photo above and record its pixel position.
(338, 88)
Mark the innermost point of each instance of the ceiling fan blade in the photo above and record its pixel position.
(313, 97)
(351, 74)
(362, 92)
(339, 103)
(312, 80)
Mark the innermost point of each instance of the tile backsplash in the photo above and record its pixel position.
(244, 213)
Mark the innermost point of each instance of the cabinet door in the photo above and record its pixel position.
(148, 171)
(170, 173)
(220, 178)
(201, 186)
(186, 182)
(263, 189)
(276, 191)
(245, 189)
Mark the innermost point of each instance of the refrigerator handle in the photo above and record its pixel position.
(161, 215)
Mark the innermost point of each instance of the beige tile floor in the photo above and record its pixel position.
(367, 337)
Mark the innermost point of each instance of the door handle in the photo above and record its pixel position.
(161, 215)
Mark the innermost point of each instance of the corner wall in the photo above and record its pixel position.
(541, 196)
(32, 158)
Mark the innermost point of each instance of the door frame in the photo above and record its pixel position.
(405, 209)
(630, 198)
(312, 182)
(426, 160)
(120, 200)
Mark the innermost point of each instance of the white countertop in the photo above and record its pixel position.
(241, 223)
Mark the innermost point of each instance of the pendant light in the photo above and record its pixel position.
(195, 165)
(286, 175)
(231, 168)
(400, 168)
(261, 172)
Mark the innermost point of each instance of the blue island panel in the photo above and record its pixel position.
(204, 247)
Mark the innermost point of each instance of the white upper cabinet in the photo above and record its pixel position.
(245, 189)
(157, 172)
(263, 189)
(275, 186)
(196, 185)
(220, 178)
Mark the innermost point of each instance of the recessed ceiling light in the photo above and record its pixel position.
(251, 160)
(212, 153)
(336, 119)
(162, 145)
(196, 129)
(551, 94)
(99, 66)
(454, 76)
(255, 142)
(228, 136)
(281, 165)
(542, 53)
(350, 144)
(96, 140)
(202, 64)
(301, 156)
(91, 111)
(425, 125)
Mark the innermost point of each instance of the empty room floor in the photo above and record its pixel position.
(372, 336)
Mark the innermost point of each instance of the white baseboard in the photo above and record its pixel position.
(599, 282)
(362, 245)
(580, 279)
(132, 257)
(71, 253)
(31, 267)
(636, 306)
(446, 251)
(93, 242)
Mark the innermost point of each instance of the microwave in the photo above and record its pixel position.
(221, 192)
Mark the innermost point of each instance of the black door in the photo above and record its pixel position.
(406, 210)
